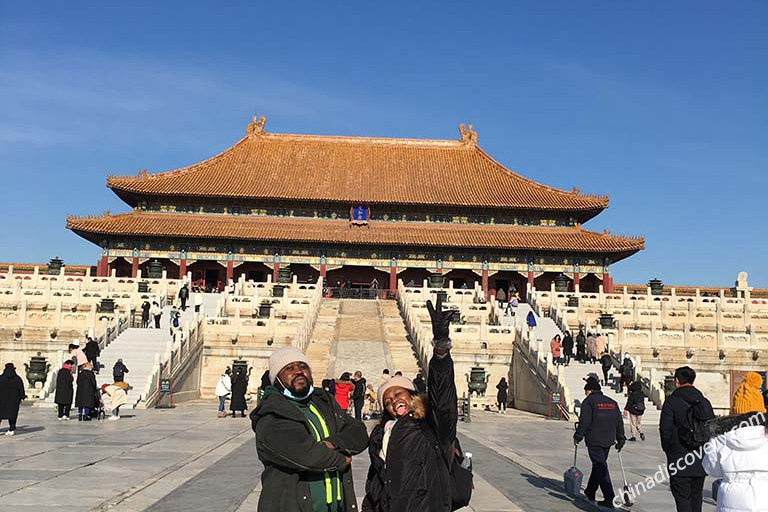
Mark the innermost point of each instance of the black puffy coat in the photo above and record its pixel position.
(86, 389)
(287, 447)
(239, 388)
(11, 394)
(92, 350)
(600, 421)
(673, 416)
(501, 396)
(635, 400)
(64, 388)
(415, 477)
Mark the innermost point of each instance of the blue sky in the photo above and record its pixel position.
(663, 106)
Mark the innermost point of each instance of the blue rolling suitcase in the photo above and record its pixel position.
(572, 478)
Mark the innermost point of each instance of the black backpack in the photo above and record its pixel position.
(693, 432)
(461, 479)
(626, 368)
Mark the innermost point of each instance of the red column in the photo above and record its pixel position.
(275, 271)
(230, 270)
(485, 282)
(607, 283)
(182, 268)
(135, 267)
(575, 280)
(530, 278)
(324, 272)
(102, 269)
(393, 279)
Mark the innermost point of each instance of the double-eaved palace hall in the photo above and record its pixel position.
(355, 210)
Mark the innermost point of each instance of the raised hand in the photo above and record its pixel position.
(441, 323)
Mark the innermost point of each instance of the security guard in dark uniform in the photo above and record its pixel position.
(601, 424)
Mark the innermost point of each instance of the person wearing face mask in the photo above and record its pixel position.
(410, 447)
(305, 441)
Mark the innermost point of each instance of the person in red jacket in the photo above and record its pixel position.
(344, 388)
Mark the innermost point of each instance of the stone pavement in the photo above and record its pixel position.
(187, 459)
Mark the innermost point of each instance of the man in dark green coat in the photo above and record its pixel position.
(305, 441)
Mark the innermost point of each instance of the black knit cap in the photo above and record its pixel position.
(592, 385)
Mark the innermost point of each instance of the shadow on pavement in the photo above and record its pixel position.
(555, 488)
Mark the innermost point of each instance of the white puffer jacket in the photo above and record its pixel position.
(740, 458)
(224, 386)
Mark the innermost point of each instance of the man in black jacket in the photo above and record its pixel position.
(687, 475)
(358, 394)
(600, 423)
(305, 441)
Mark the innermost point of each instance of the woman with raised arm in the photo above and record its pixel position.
(413, 446)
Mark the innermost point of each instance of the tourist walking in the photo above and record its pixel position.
(501, 298)
(555, 348)
(145, 307)
(738, 454)
(156, 313)
(223, 389)
(420, 384)
(65, 390)
(601, 425)
(86, 396)
(344, 390)
(567, 347)
(304, 442)
(592, 353)
(11, 395)
(183, 296)
(626, 373)
(92, 352)
(173, 318)
(635, 408)
(370, 402)
(385, 376)
(239, 389)
(600, 344)
(119, 370)
(358, 394)
(199, 301)
(501, 395)
(411, 446)
(530, 320)
(748, 397)
(77, 354)
(677, 442)
(606, 363)
(117, 399)
(581, 347)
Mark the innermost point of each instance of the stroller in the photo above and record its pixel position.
(98, 412)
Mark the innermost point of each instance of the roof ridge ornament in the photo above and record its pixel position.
(468, 135)
(256, 126)
(143, 173)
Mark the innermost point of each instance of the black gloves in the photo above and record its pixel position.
(620, 444)
(577, 438)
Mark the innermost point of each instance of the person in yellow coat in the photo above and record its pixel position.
(748, 397)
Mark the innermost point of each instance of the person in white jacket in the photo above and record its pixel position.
(738, 454)
(223, 389)
(117, 399)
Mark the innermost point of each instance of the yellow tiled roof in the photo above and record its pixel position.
(357, 169)
(296, 229)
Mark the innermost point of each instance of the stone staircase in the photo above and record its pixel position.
(360, 341)
(137, 348)
(323, 339)
(574, 374)
(396, 336)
